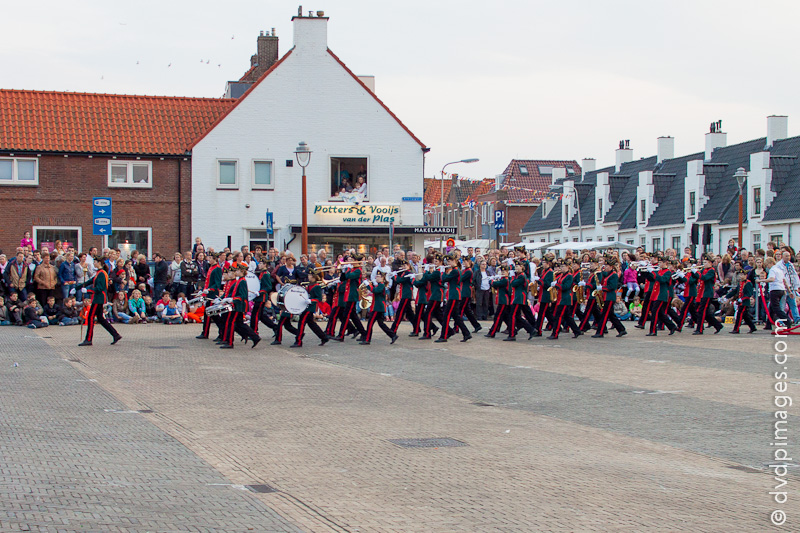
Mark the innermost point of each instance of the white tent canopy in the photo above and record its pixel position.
(617, 245)
(538, 245)
(573, 246)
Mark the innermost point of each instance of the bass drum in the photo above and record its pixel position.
(292, 299)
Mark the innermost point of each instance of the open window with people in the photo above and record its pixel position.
(349, 179)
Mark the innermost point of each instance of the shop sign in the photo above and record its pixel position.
(337, 213)
(435, 230)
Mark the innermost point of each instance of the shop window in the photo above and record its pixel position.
(129, 239)
(17, 171)
(227, 174)
(349, 177)
(46, 236)
(130, 174)
(262, 175)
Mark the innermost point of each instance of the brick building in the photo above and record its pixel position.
(58, 150)
(460, 208)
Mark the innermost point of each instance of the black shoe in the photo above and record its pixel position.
(512, 339)
(201, 337)
(504, 332)
(597, 336)
(697, 333)
(323, 340)
(296, 345)
(536, 334)
(651, 335)
(639, 326)
(576, 335)
(275, 343)
(244, 339)
(394, 338)
(85, 343)
(425, 338)
(734, 332)
(622, 333)
(672, 331)
(476, 330)
(552, 338)
(531, 335)
(465, 339)
(718, 330)
(226, 347)
(217, 339)
(338, 339)
(413, 334)
(365, 343)
(489, 336)
(440, 340)
(753, 330)
(255, 341)
(116, 339)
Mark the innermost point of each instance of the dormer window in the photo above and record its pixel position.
(545, 170)
(523, 170)
(570, 171)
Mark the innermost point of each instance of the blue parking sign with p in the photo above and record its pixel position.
(499, 219)
(101, 216)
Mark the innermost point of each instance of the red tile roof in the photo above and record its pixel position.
(468, 190)
(433, 191)
(50, 121)
(533, 186)
(484, 187)
(246, 75)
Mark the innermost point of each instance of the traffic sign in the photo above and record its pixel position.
(499, 219)
(269, 223)
(471, 205)
(101, 216)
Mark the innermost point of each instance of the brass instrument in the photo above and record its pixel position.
(533, 288)
(598, 292)
(579, 294)
(553, 293)
(364, 295)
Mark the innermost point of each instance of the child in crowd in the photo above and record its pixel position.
(14, 307)
(69, 313)
(32, 317)
(195, 313)
(162, 304)
(323, 309)
(620, 309)
(636, 307)
(172, 314)
(5, 316)
(150, 308)
(629, 279)
(26, 240)
(182, 304)
(51, 311)
(391, 309)
(120, 310)
(136, 306)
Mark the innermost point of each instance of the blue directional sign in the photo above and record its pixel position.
(101, 216)
(499, 219)
(471, 205)
(269, 223)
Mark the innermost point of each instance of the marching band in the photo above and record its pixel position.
(553, 295)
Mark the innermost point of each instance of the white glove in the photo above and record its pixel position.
(84, 291)
(535, 278)
(553, 284)
(205, 291)
(227, 300)
(72, 292)
(307, 301)
(582, 284)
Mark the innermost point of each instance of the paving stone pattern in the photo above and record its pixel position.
(73, 458)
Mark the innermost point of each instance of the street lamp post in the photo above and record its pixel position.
(741, 176)
(303, 155)
(577, 203)
(471, 160)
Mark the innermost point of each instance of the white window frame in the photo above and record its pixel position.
(677, 248)
(369, 173)
(258, 187)
(756, 242)
(757, 205)
(78, 245)
(692, 204)
(129, 184)
(235, 184)
(629, 241)
(134, 228)
(15, 181)
(654, 241)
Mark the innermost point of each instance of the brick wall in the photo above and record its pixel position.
(64, 198)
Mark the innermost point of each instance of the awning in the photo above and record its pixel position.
(573, 246)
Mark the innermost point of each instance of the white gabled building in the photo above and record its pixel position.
(245, 164)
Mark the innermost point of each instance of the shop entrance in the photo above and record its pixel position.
(363, 244)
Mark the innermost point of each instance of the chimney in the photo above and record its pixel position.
(559, 173)
(624, 153)
(454, 181)
(665, 148)
(715, 139)
(777, 129)
(267, 52)
(310, 33)
(587, 165)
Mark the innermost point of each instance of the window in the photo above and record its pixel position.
(756, 241)
(643, 210)
(777, 238)
(600, 239)
(656, 244)
(259, 238)
(610, 238)
(545, 170)
(130, 239)
(588, 240)
(17, 171)
(643, 240)
(756, 200)
(262, 175)
(599, 208)
(676, 243)
(574, 239)
(130, 174)
(692, 204)
(566, 218)
(629, 241)
(349, 176)
(227, 174)
(523, 170)
(542, 240)
(48, 235)
(570, 171)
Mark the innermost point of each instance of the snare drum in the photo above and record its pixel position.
(292, 299)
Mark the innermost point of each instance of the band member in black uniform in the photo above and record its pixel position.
(522, 258)
(563, 314)
(659, 299)
(421, 306)
(645, 275)
(690, 298)
(434, 307)
(99, 297)
(337, 307)
(307, 316)
(466, 295)
(377, 310)
(404, 283)
(609, 286)
(257, 314)
(503, 288)
(546, 277)
(592, 284)
(211, 291)
(745, 291)
(705, 291)
(236, 319)
(452, 308)
(228, 285)
(518, 299)
(353, 280)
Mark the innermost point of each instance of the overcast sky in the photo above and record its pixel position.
(494, 80)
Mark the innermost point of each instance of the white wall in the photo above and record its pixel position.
(309, 97)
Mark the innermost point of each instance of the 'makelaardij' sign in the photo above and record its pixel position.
(335, 213)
